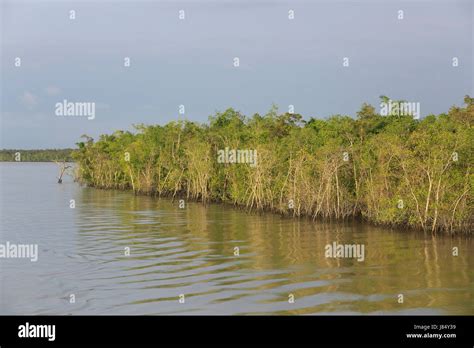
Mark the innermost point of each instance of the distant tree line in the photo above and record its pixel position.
(48, 155)
(391, 170)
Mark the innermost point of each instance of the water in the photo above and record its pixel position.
(191, 251)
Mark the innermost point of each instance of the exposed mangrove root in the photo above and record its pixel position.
(391, 170)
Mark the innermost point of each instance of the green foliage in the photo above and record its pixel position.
(391, 170)
(48, 155)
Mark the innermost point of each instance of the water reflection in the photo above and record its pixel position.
(191, 251)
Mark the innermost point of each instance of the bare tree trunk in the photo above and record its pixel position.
(62, 169)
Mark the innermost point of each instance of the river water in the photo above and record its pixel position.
(191, 252)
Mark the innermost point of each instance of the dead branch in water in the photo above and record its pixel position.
(62, 169)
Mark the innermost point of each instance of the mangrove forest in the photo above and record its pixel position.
(394, 170)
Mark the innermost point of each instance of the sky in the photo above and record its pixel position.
(190, 61)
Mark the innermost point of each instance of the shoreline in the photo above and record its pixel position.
(349, 220)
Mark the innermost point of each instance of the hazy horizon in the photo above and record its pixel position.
(190, 62)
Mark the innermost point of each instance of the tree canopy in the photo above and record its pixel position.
(390, 170)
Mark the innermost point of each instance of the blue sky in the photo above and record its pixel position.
(190, 61)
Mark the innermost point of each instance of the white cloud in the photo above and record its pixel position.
(52, 90)
(29, 99)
